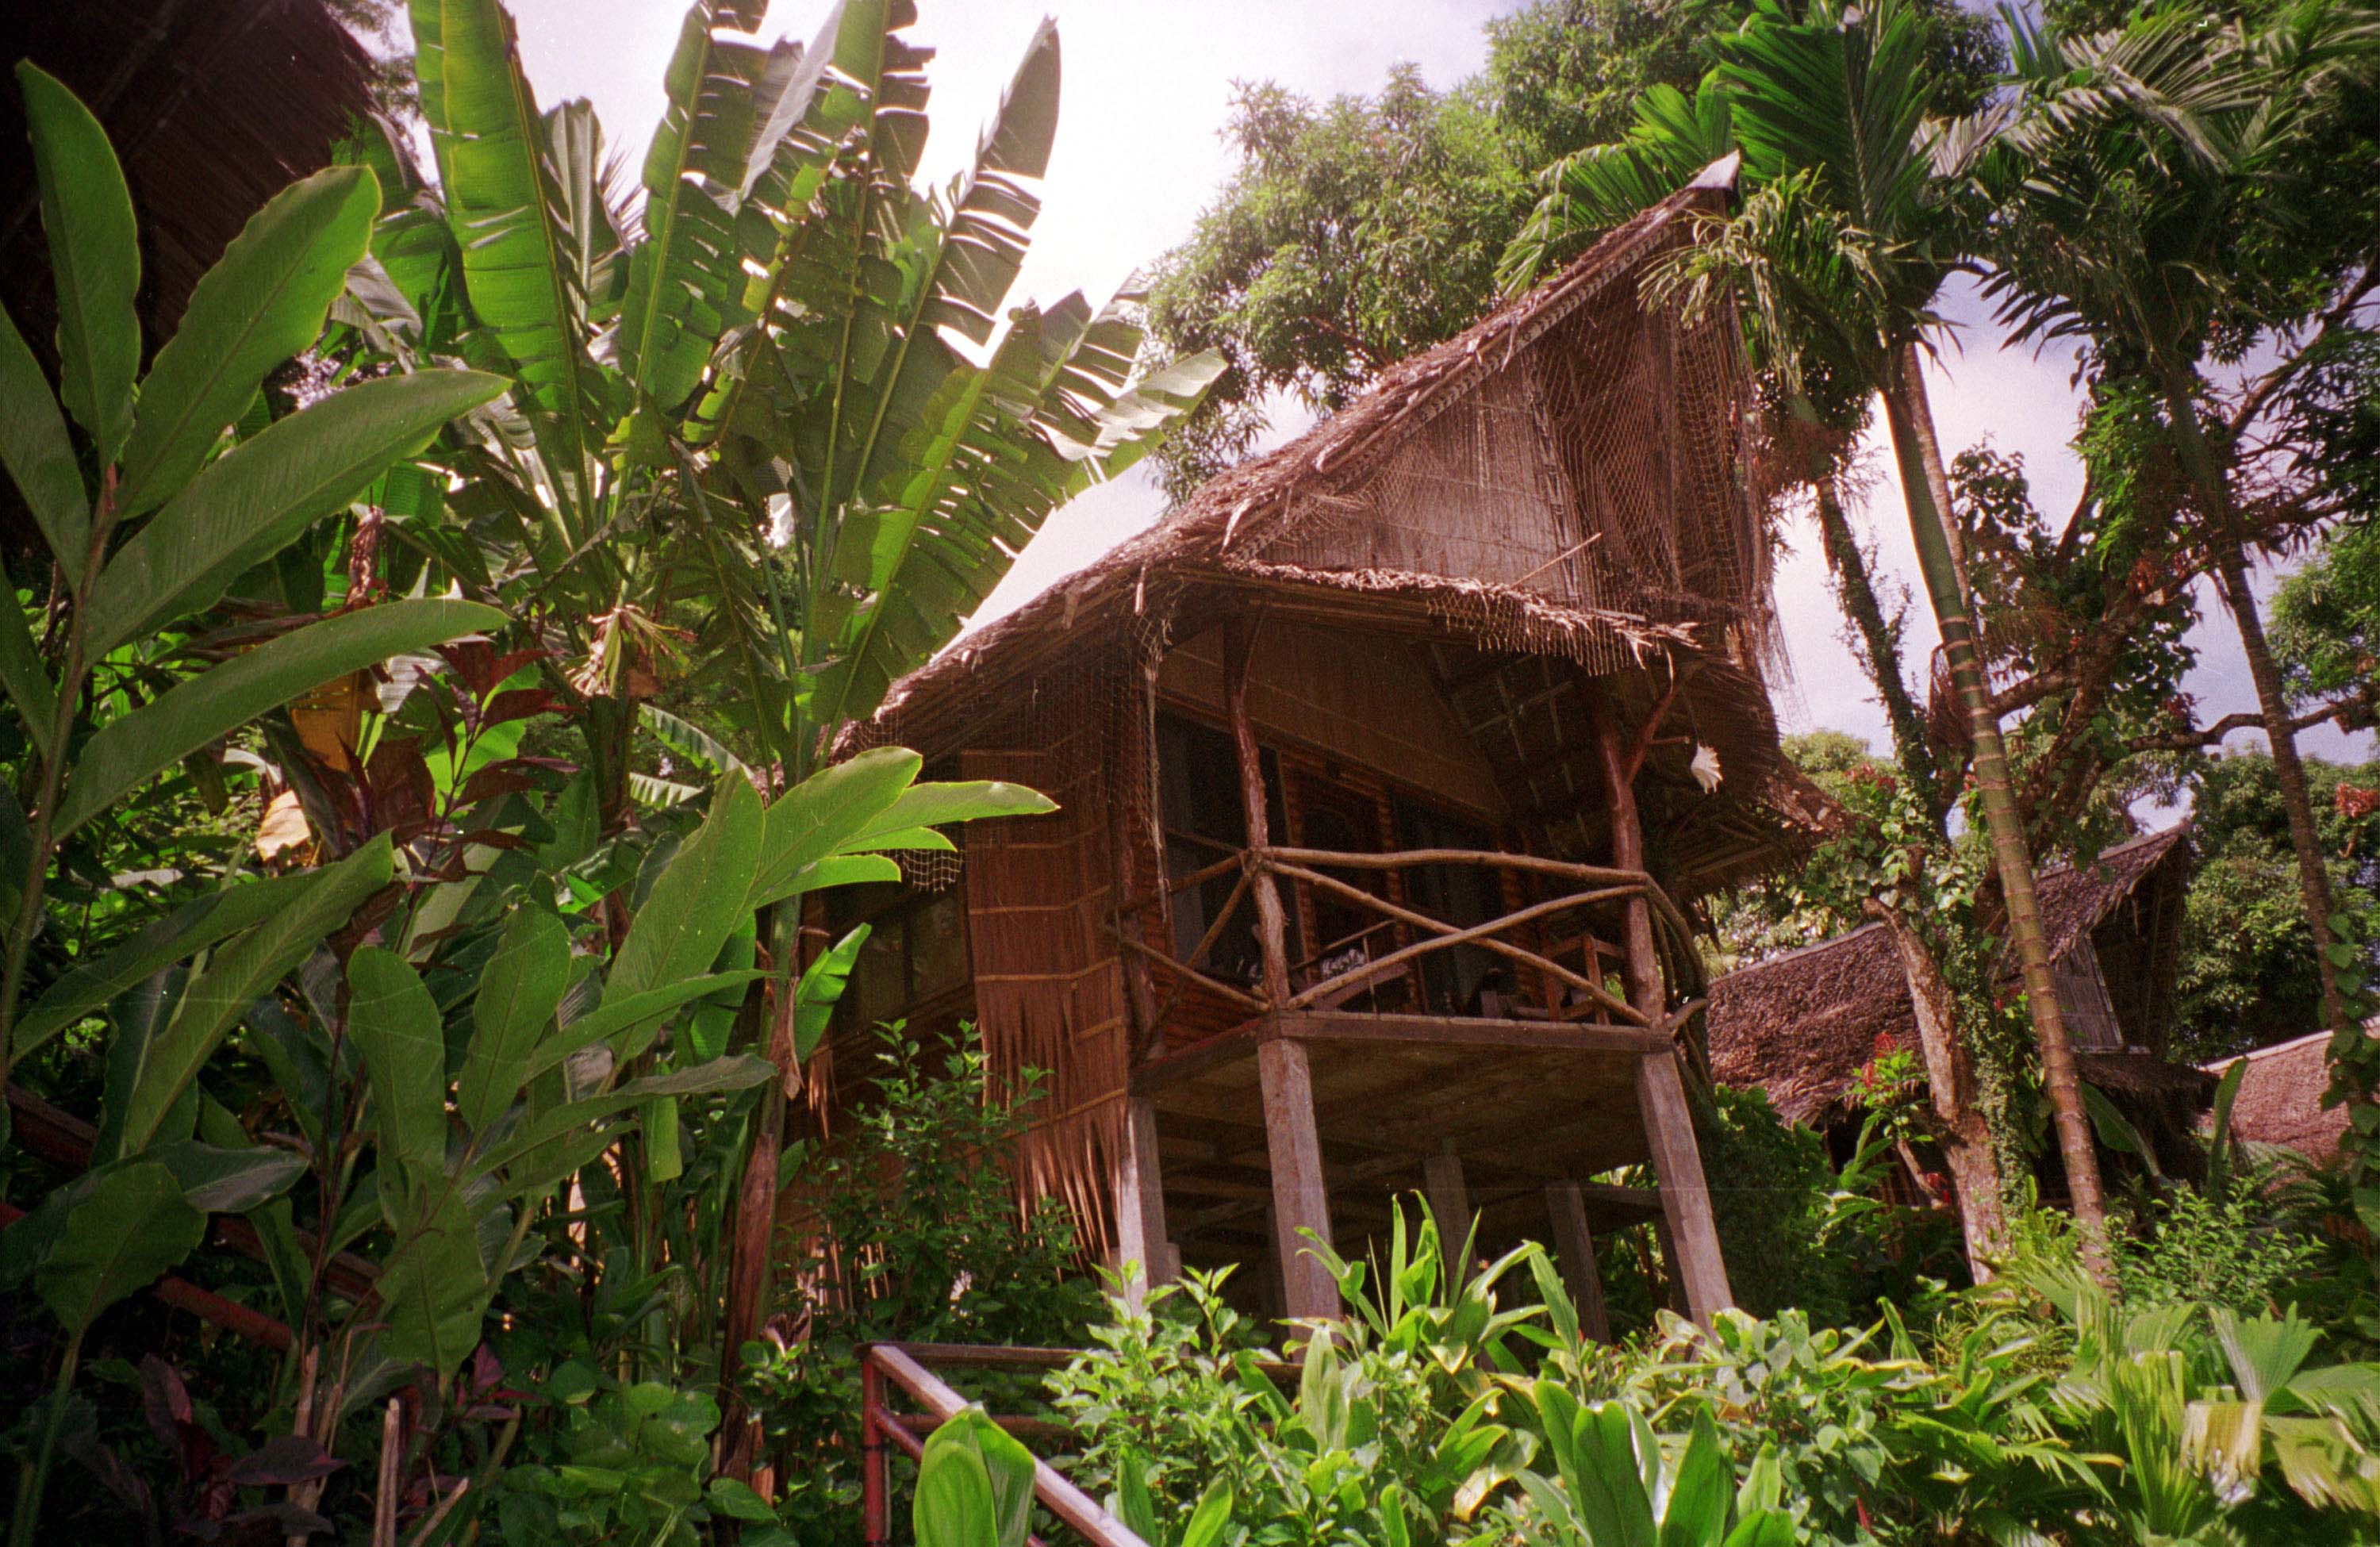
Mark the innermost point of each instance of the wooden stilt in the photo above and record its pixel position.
(1299, 1201)
(1574, 1249)
(1141, 1240)
(1692, 1242)
(1450, 1201)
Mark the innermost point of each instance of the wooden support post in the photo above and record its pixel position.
(1272, 931)
(1141, 1240)
(1299, 1201)
(1692, 1242)
(1574, 1249)
(1622, 757)
(1450, 1201)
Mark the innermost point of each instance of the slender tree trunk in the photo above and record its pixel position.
(1882, 648)
(1959, 1128)
(1927, 488)
(750, 1237)
(2288, 771)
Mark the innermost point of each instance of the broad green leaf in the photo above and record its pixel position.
(219, 1180)
(1005, 1466)
(503, 209)
(128, 753)
(737, 1072)
(817, 817)
(395, 1026)
(263, 304)
(23, 674)
(1695, 1511)
(519, 990)
(1211, 1518)
(935, 805)
(95, 258)
(821, 990)
(658, 1119)
(239, 974)
(40, 455)
(137, 1022)
(176, 937)
(686, 283)
(255, 499)
(133, 1227)
(954, 1505)
(699, 899)
(434, 1291)
(618, 1013)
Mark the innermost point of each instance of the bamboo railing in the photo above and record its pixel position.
(904, 1365)
(1590, 886)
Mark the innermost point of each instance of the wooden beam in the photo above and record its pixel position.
(1141, 1239)
(1450, 1201)
(1272, 925)
(1685, 1197)
(1300, 1199)
(1574, 1249)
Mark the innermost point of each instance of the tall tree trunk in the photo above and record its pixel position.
(1881, 647)
(1927, 488)
(2288, 771)
(1959, 1127)
(748, 1240)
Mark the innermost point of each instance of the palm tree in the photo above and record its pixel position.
(1839, 252)
(2152, 200)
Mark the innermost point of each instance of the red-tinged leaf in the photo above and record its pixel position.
(521, 703)
(402, 790)
(490, 783)
(282, 1460)
(493, 838)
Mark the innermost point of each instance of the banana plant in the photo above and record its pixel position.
(749, 412)
(149, 521)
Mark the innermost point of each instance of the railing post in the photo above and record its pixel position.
(875, 1487)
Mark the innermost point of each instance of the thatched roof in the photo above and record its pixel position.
(1801, 1025)
(2280, 1096)
(1323, 531)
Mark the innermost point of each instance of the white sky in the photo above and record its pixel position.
(1139, 155)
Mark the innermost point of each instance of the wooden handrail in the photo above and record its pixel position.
(1307, 866)
(1479, 934)
(896, 1362)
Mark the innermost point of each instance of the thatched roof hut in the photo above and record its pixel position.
(1801, 1025)
(2280, 1096)
(1381, 759)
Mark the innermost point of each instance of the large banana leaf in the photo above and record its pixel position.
(505, 215)
(254, 500)
(686, 281)
(95, 258)
(127, 753)
(262, 303)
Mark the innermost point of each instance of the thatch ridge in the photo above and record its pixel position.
(1803, 1023)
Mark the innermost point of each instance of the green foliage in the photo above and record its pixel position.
(2326, 614)
(975, 1486)
(627, 1461)
(2246, 975)
(921, 1241)
(1795, 1233)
